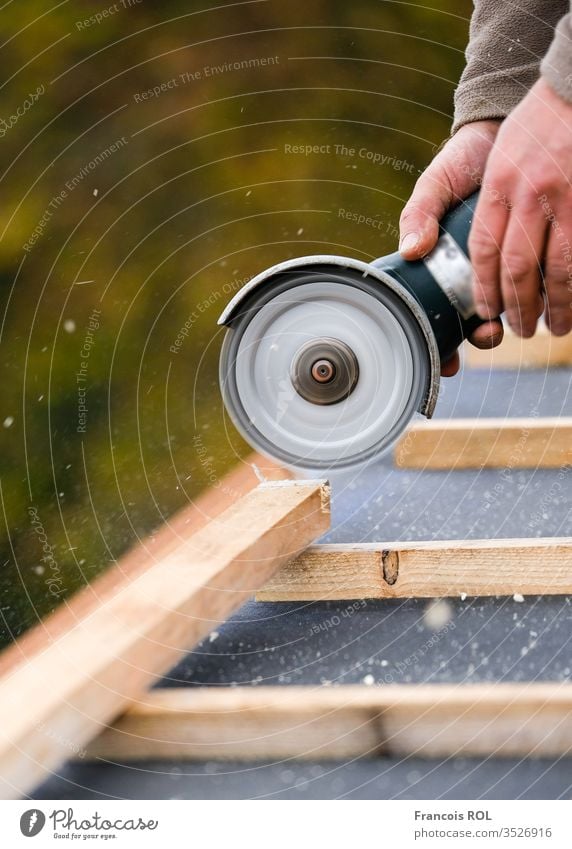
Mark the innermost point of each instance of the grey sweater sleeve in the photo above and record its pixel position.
(556, 67)
(508, 41)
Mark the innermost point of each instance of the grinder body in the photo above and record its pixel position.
(326, 358)
(442, 281)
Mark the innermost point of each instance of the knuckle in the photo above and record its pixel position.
(498, 178)
(558, 286)
(526, 204)
(559, 314)
(486, 288)
(555, 284)
(511, 301)
(412, 212)
(559, 305)
(517, 268)
(482, 247)
(559, 308)
(556, 272)
(548, 183)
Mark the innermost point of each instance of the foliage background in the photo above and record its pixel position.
(199, 197)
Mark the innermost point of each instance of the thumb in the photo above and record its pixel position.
(419, 221)
(454, 174)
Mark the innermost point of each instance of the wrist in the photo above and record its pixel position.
(487, 128)
(548, 94)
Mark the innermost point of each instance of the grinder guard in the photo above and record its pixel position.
(430, 300)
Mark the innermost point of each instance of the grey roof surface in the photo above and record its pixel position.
(492, 639)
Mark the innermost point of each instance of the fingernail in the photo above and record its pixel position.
(409, 242)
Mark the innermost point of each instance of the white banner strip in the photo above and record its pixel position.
(335, 824)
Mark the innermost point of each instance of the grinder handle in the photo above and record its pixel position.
(442, 281)
(457, 224)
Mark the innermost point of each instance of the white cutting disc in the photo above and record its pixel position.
(278, 420)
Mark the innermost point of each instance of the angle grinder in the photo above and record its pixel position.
(326, 359)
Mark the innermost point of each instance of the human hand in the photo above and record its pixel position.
(454, 174)
(523, 219)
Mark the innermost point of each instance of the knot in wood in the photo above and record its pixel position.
(390, 566)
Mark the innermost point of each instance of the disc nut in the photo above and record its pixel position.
(323, 371)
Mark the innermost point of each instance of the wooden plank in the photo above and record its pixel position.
(425, 570)
(63, 695)
(268, 723)
(518, 443)
(207, 506)
(541, 351)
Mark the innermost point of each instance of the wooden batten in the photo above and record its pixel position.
(540, 351)
(459, 568)
(62, 696)
(525, 443)
(276, 723)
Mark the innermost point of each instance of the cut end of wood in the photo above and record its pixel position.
(310, 484)
(294, 482)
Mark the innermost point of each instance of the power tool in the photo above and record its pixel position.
(326, 359)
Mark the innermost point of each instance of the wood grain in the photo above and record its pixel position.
(62, 696)
(518, 443)
(271, 723)
(171, 532)
(425, 570)
(541, 351)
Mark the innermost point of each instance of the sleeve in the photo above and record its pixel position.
(556, 67)
(507, 43)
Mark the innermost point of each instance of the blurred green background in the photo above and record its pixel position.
(147, 173)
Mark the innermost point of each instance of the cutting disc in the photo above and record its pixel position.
(323, 370)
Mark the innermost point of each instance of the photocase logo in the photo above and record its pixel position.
(32, 822)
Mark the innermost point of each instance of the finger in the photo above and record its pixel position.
(485, 240)
(454, 174)
(487, 335)
(451, 366)
(419, 221)
(520, 273)
(558, 283)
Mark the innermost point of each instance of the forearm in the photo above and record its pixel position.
(507, 43)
